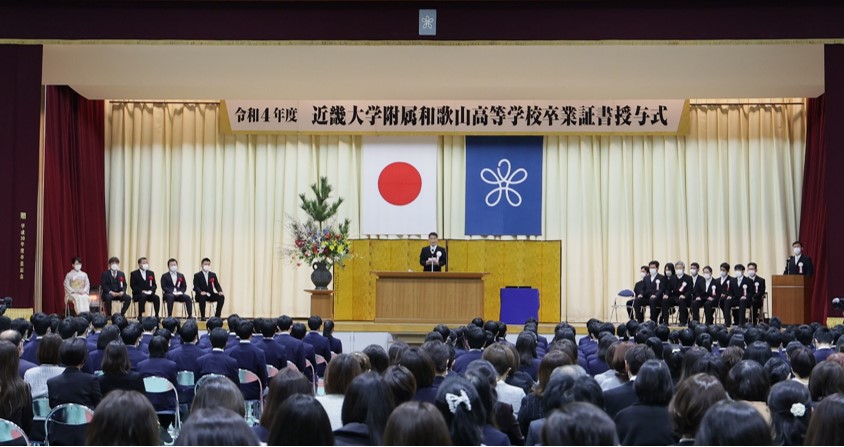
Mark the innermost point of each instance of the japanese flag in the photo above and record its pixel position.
(399, 185)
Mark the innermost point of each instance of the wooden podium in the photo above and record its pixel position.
(322, 303)
(428, 297)
(792, 298)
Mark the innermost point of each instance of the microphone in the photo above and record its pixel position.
(786, 265)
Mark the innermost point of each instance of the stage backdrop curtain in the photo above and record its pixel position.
(729, 191)
(177, 187)
(813, 214)
(74, 194)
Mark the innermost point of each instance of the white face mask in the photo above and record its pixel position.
(668, 273)
(680, 272)
(739, 274)
(77, 267)
(144, 266)
(174, 268)
(693, 272)
(206, 268)
(797, 251)
(751, 273)
(653, 272)
(723, 274)
(643, 274)
(114, 267)
(707, 275)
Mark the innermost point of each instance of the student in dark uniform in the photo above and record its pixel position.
(758, 291)
(294, 348)
(274, 352)
(144, 286)
(322, 346)
(114, 285)
(681, 295)
(206, 287)
(724, 281)
(639, 300)
(217, 361)
(174, 285)
(799, 264)
(696, 301)
(655, 286)
(669, 297)
(707, 292)
(433, 257)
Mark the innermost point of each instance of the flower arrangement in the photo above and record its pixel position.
(319, 239)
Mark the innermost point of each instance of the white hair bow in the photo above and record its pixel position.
(454, 401)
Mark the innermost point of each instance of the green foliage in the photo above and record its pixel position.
(320, 209)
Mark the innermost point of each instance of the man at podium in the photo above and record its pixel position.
(799, 264)
(433, 257)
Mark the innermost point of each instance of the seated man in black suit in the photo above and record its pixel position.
(206, 287)
(655, 288)
(217, 361)
(73, 386)
(114, 285)
(623, 396)
(741, 290)
(174, 285)
(433, 257)
(757, 291)
(144, 286)
(799, 264)
(635, 307)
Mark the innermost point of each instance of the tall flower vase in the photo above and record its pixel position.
(321, 276)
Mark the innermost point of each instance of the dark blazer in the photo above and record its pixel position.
(426, 394)
(167, 285)
(22, 417)
(136, 356)
(639, 289)
(113, 284)
(212, 286)
(705, 292)
(30, 350)
(507, 423)
(641, 424)
(336, 345)
(684, 286)
(533, 369)
(353, 433)
(140, 284)
(698, 286)
(725, 286)
(274, 352)
(251, 358)
(426, 253)
(587, 346)
(217, 362)
(464, 360)
(74, 387)
(494, 436)
(186, 357)
(654, 288)
(311, 357)
(95, 359)
(160, 367)
(530, 411)
(596, 365)
(793, 268)
(293, 348)
(23, 366)
(741, 288)
(619, 398)
(321, 347)
(758, 289)
(131, 381)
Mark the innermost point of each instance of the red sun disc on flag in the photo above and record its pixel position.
(399, 183)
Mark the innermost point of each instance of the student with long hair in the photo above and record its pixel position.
(117, 370)
(216, 426)
(15, 394)
(123, 418)
(339, 374)
(301, 420)
(401, 382)
(482, 375)
(216, 392)
(531, 408)
(693, 397)
(654, 388)
(48, 365)
(733, 423)
(462, 410)
(579, 423)
(328, 332)
(826, 428)
(366, 408)
(416, 423)
(286, 383)
(791, 410)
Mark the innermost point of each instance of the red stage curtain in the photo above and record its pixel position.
(813, 212)
(74, 191)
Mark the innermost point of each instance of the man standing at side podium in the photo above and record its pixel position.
(799, 264)
(433, 257)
